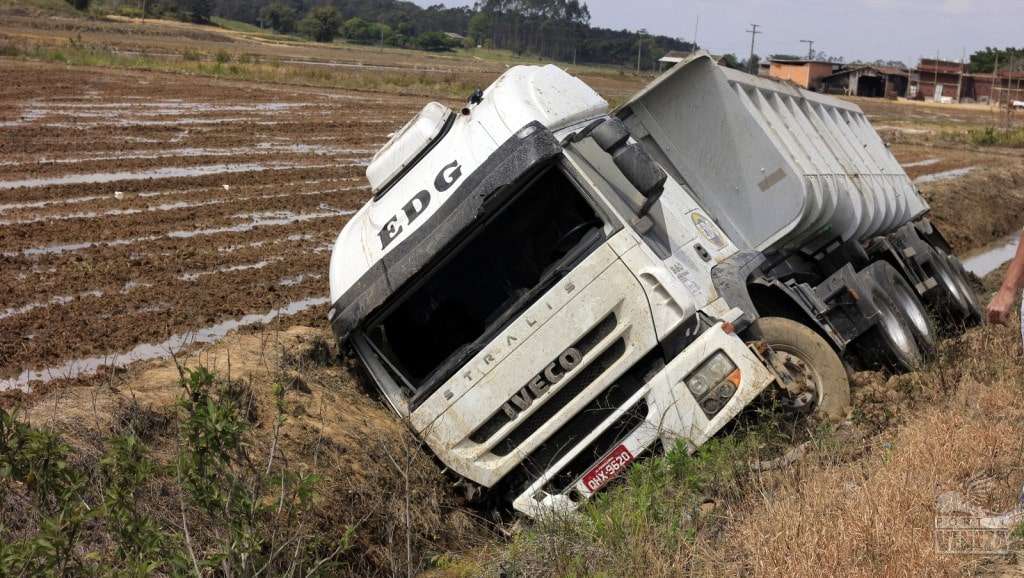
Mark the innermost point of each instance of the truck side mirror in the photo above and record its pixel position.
(636, 165)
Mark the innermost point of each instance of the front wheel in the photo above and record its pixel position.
(808, 369)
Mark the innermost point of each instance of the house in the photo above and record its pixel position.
(804, 73)
(937, 80)
(868, 80)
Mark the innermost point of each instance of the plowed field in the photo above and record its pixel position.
(141, 212)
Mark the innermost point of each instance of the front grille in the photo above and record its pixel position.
(591, 416)
(562, 397)
(585, 344)
(625, 425)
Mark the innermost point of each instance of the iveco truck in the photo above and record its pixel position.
(547, 291)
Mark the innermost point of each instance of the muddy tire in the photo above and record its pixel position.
(914, 313)
(974, 313)
(948, 297)
(809, 358)
(890, 343)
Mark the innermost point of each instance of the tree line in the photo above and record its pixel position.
(552, 29)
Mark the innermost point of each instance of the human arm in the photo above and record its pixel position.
(1004, 299)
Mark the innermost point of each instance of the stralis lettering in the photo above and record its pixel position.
(444, 180)
(540, 383)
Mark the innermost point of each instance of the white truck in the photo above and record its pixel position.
(547, 291)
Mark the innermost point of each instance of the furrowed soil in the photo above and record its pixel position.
(136, 207)
(144, 213)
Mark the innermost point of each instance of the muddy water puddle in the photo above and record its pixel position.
(146, 351)
(993, 257)
(256, 222)
(922, 163)
(161, 173)
(156, 173)
(943, 176)
(264, 149)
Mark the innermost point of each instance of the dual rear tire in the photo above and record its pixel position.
(903, 335)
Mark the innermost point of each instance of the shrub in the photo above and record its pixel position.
(321, 23)
(234, 509)
(433, 42)
(280, 17)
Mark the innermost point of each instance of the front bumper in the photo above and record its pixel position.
(670, 415)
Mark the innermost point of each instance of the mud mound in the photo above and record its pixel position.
(979, 208)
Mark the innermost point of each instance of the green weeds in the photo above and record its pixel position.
(227, 509)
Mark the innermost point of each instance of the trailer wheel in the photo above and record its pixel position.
(817, 373)
(890, 343)
(914, 313)
(975, 314)
(948, 296)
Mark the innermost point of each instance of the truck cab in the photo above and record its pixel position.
(535, 296)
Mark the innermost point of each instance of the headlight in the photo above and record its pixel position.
(714, 382)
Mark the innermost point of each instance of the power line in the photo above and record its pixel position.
(810, 48)
(753, 35)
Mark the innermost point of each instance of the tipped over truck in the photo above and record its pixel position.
(547, 290)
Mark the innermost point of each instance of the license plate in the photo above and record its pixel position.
(608, 468)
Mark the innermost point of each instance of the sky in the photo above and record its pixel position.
(905, 30)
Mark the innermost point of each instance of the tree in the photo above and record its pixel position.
(752, 64)
(196, 11)
(731, 61)
(480, 28)
(984, 61)
(433, 42)
(280, 17)
(362, 32)
(321, 23)
(79, 4)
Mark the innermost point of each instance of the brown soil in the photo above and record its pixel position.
(129, 272)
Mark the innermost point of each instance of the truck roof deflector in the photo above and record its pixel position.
(516, 160)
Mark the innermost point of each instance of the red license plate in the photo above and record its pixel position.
(608, 468)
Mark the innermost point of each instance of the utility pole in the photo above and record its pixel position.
(935, 87)
(995, 76)
(639, 46)
(810, 48)
(696, 25)
(960, 77)
(753, 35)
(1009, 85)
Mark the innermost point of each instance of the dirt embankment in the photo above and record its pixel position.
(979, 208)
(377, 488)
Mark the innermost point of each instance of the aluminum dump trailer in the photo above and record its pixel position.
(778, 166)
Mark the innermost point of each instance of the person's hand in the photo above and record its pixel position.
(999, 309)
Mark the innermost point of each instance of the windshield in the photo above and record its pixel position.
(507, 261)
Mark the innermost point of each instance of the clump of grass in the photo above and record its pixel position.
(988, 136)
(222, 56)
(651, 520)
